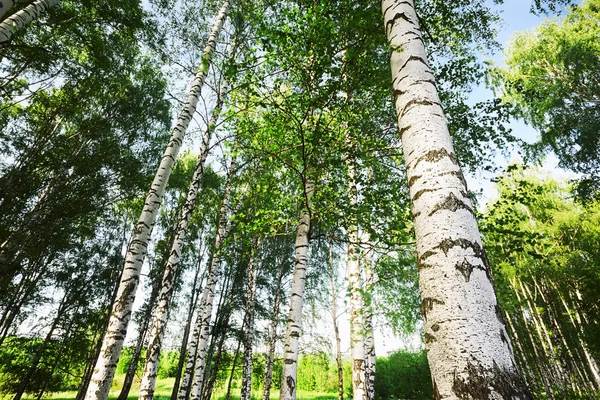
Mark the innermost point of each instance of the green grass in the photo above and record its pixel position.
(164, 387)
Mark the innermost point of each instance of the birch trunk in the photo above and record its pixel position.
(336, 331)
(168, 280)
(272, 338)
(22, 18)
(206, 304)
(294, 322)
(246, 392)
(188, 325)
(131, 370)
(192, 350)
(369, 333)
(468, 349)
(357, 337)
(121, 311)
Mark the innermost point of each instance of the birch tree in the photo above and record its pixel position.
(164, 298)
(114, 337)
(22, 18)
(206, 304)
(294, 322)
(468, 348)
(248, 338)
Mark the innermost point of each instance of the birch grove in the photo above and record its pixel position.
(164, 298)
(468, 348)
(325, 166)
(119, 320)
(206, 303)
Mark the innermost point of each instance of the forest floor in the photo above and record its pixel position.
(164, 387)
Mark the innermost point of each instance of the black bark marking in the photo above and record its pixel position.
(417, 102)
(413, 179)
(421, 192)
(427, 305)
(291, 384)
(414, 58)
(435, 156)
(398, 16)
(435, 327)
(436, 391)
(451, 203)
(466, 268)
(429, 338)
(482, 383)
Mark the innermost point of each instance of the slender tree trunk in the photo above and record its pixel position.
(357, 337)
(546, 376)
(524, 364)
(40, 352)
(336, 331)
(137, 352)
(233, 365)
(369, 332)
(206, 304)
(272, 338)
(22, 18)
(294, 322)
(168, 280)
(246, 392)
(219, 334)
(192, 350)
(468, 349)
(115, 335)
(188, 325)
(85, 382)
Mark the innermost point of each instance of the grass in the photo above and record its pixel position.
(164, 387)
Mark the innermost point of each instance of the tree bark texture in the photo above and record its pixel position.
(206, 304)
(188, 325)
(192, 350)
(370, 358)
(468, 349)
(357, 336)
(22, 18)
(121, 310)
(294, 322)
(168, 280)
(336, 331)
(272, 337)
(246, 392)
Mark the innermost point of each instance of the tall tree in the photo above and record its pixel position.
(114, 337)
(469, 352)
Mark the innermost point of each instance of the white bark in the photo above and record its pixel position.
(121, 310)
(168, 280)
(369, 333)
(21, 18)
(467, 345)
(336, 331)
(294, 322)
(246, 392)
(206, 304)
(272, 338)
